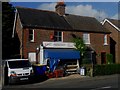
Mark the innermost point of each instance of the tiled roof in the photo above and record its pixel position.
(41, 19)
(48, 19)
(87, 24)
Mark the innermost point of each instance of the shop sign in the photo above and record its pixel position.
(58, 45)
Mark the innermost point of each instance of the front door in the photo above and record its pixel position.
(103, 57)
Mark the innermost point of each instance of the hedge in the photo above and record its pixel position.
(106, 69)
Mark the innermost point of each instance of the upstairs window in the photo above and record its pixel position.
(31, 35)
(86, 38)
(105, 39)
(57, 36)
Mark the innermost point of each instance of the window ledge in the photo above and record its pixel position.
(105, 44)
(87, 43)
(32, 41)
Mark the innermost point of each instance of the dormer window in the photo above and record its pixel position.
(31, 35)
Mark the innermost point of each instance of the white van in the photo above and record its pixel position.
(17, 70)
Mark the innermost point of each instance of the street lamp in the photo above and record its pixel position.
(37, 51)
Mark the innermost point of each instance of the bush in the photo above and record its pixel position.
(109, 58)
(107, 69)
(86, 61)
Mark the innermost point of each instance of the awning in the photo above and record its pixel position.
(54, 55)
(61, 54)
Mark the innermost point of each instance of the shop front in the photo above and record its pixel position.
(59, 54)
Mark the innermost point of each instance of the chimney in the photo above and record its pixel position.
(60, 8)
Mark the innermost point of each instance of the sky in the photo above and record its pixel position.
(99, 10)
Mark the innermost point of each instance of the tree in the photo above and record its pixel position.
(79, 44)
(8, 43)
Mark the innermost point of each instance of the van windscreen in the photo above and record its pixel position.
(19, 64)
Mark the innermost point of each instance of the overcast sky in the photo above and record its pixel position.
(99, 10)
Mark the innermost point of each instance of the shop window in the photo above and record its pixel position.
(86, 38)
(31, 35)
(57, 36)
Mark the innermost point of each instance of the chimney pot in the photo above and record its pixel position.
(60, 8)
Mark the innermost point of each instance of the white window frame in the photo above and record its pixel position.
(105, 39)
(32, 56)
(33, 31)
(86, 38)
(59, 36)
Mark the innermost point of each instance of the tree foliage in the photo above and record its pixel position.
(8, 43)
(109, 58)
(79, 44)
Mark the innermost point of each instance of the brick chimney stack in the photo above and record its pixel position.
(60, 8)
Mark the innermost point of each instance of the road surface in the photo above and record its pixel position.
(91, 83)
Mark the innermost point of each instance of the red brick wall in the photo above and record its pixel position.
(115, 35)
(97, 42)
(40, 36)
(18, 29)
(96, 39)
(118, 60)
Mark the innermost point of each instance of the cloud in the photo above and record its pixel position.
(86, 10)
(82, 10)
(47, 6)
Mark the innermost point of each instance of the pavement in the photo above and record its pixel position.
(78, 76)
(71, 77)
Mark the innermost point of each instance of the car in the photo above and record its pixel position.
(17, 70)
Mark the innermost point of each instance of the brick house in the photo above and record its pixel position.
(34, 27)
(114, 27)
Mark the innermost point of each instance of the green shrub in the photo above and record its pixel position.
(86, 61)
(109, 58)
(107, 69)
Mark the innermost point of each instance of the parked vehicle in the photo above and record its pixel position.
(17, 70)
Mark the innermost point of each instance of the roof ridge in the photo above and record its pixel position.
(80, 16)
(35, 9)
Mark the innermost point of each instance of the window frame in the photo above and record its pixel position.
(86, 38)
(58, 36)
(31, 35)
(105, 39)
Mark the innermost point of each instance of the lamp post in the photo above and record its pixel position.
(37, 51)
